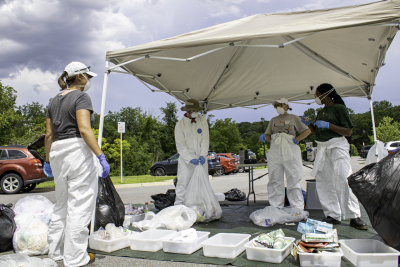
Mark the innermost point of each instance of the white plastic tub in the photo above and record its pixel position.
(137, 218)
(369, 253)
(184, 247)
(110, 245)
(322, 260)
(268, 254)
(149, 240)
(227, 246)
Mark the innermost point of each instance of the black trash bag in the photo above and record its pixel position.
(7, 227)
(109, 206)
(235, 195)
(377, 187)
(162, 201)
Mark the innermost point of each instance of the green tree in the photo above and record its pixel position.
(225, 136)
(388, 130)
(8, 116)
(167, 131)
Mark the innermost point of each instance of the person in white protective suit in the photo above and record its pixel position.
(284, 156)
(192, 142)
(332, 165)
(73, 156)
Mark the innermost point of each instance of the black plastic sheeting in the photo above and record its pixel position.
(377, 187)
(162, 201)
(109, 206)
(235, 195)
(7, 227)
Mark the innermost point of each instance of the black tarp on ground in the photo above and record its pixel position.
(235, 219)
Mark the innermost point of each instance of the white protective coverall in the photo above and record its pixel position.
(192, 141)
(284, 157)
(76, 170)
(372, 156)
(332, 166)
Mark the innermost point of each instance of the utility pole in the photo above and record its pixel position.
(262, 119)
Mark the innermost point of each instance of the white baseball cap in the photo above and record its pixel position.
(74, 68)
(281, 100)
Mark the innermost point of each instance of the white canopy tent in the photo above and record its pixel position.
(251, 61)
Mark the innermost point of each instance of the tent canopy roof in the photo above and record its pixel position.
(251, 61)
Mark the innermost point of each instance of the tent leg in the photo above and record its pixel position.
(102, 112)
(373, 124)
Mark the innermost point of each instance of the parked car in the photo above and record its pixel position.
(21, 167)
(231, 156)
(391, 146)
(170, 165)
(227, 164)
(364, 151)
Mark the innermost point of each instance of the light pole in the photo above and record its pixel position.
(262, 119)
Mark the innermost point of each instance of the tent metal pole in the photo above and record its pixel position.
(103, 102)
(373, 123)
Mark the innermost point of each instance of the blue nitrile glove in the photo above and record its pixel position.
(202, 160)
(306, 120)
(322, 124)
(47, 170)
(195, 161)
(263, 138)
(294, 141)
(104, 164)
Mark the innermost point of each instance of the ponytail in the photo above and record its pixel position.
(325, 87)
(61, 81)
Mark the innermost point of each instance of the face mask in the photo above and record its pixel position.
(319, 101)
(87, 85)
(280, 110)
(194, 114)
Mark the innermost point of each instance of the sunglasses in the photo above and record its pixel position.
(279, 105)
(88, 68)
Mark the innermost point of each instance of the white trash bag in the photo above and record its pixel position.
(23, 260)
(201, 198)
(176, 218)
(33, 216)
(269, 216)
(372, 157)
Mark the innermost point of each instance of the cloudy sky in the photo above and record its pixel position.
(40, 37)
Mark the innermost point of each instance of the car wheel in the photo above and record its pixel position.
(159, 172)
(29, 188)
(241, 170)
(227, 173)
(11, 183)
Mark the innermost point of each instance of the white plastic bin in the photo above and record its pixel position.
(227, 246)
(321, 260)
(110, 245)
(149, 240)
(184, 247)
(369, 253)
(268, 254)
(220, 196)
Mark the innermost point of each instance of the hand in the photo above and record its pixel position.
(104, 164)
(263, 138)
(47, 170)
(306, 120)
(202, 160)
(322, 124)
(296, 142)
(195, 161)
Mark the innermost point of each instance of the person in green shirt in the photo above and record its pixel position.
(332, 165)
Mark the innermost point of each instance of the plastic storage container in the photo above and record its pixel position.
(149, 240)
(184, 247)
(321, 260)
(220, 196)
(227, 246)
(369, 253)
(110, 245)
(268, 254)
(133, 218)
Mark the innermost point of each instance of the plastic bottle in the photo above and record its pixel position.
(146, 207)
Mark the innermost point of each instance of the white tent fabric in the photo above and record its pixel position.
(251, 61)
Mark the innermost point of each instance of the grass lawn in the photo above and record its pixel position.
(127, 180)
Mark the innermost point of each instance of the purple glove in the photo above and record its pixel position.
(202, 160)
(294, 141)
(47, 170)
(104, 164)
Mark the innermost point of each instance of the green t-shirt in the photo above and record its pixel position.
(336, 114)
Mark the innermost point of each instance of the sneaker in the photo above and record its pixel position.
(91, 256)
(330, 220)
(358, 224)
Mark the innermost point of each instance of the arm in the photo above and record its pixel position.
(303, 135)
(83, 120)
(181, 144)
(312, 128)
(205, 139)
(49, 139)
(345, 131)
(268, 137)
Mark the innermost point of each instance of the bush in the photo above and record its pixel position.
(353, 150)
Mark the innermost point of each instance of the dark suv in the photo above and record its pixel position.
(21, 167)
(170, 165)
(364, 151)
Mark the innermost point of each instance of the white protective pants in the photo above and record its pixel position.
(332, 166)
(74, 167)
(284, 158)
(185, 173)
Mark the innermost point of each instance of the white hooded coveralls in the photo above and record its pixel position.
(284, 158)
(332, 166)
(76, 169)
(192, 141)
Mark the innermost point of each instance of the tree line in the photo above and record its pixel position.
(148, 139)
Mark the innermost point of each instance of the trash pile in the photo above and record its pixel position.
(33, 216)
(23, 260)
(269, 216)
(162, 201)
(235, 195)
(131, 210)
(7, 227)
(273, 240)
(111, 232)
(318, 237)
